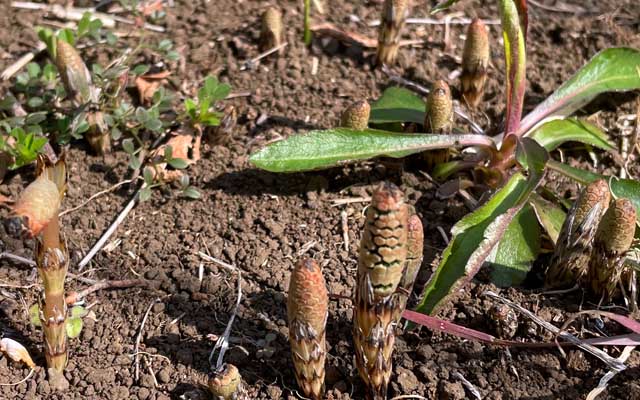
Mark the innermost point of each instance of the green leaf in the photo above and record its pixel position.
(328, 148)
(73, 327)
(66, 34)
(127, 146)
(554, 133)
(475, 235)
(33, 69)
(47, 37)
(442, 6)
(611, 70)
(620, 188)
(83, 24)
(145, 193)
(140, 69)
(191, 193)
(134, 162)
(35, 102)
(519, 247)
(213, 90)
(147, 173)
(168, 153)
(34, 316)
(178, 163)
(165, 45)
(549, 215)
(78, 312)
(397, 105)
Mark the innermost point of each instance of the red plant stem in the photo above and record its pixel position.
(74, 297)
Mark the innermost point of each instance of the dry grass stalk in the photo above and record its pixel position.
(394, 14)
(271, 33)
(39, 205)
(475, 61)
(381, 262)
(610, 246)
(307, 311)
(80, 89)
(356, 116)
(438, 120)
(227, 384)
(570, 260)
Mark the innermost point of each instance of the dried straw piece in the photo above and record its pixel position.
(307, 311)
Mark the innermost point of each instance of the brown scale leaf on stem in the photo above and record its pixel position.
(570, 260)
(475, 61)
(307, 311)
(415, 248)
(381, 263)
(80, 89)
(271, 33)
(227, 384)
(438, 120)
(356, 116)
(610, 246)
(394, 14)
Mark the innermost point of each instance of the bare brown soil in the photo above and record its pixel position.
(262, 222)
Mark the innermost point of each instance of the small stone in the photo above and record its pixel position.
(451, 391)
(57, 381)
(164, 375)
(407, 380)
(143, 393)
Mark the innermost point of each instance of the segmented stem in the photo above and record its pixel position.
(394, 13)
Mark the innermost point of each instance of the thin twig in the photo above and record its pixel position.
(344, 222)
(249, 64)
(12, 69)
(94, 250)
(222, 343)
(468, 385)
(84, 203)
(604, 381)
(433, 21)
(339, 202)
(611, 362)
(221, 263)
(136, 349)
(18, 259)
(74, 297)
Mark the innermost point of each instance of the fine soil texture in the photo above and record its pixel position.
(261, 223)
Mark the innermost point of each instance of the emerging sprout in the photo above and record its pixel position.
(505, 320)
(475, 61)
(570, 259)
(438, 119)
(77, 82)
(381, 263)
(226, 384)
(610, 246)
(39, 204)
(356, 116)
(307, 311)
(394, 13)
(271, 34)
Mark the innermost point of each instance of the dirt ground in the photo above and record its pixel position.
(262, 222)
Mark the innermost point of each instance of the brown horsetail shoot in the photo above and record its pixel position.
(475, 61)
(227, 384)
(394, 13)
(611, 244)
(307, 310)
(271, 33)
(356, 116)
(570, 260)
(438, 120)
(381, 263)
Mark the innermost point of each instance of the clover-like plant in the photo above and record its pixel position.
(504, 230)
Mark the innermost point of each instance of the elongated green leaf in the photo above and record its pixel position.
(513, 16)
(476, 235)
(549, 215)
(397, 105)
(328, 148)
(611, 70)
(620, 188)
(442, 6)
(554, 133)
(519, 247)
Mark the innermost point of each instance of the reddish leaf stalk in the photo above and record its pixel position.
(381, 262)
(307, 311)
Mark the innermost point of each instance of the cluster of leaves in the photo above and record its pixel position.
(505, 230)
(200, 110)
